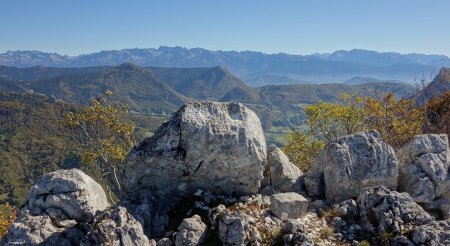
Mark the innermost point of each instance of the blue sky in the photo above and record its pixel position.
(291, 26)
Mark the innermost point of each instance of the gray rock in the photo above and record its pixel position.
(293, 225)
(74, 193)
(346, 167)
(348, 209)
(280, 173)
(289, 205)
(298, 238)
(414, 181)
(151, 212)
(435, 233)
(190, 232)
(164, 242)
(116, 227)
(208, 145)
(318, 205)
(424, 167)
(234, 228)
(338, 223)
(57, 209)
(440, 208)
(384, 211)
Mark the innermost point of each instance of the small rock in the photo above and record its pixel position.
(288, 205)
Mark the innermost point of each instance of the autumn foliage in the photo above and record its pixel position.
(438, 114)
(7, 217)
(104, 136)
(397, 120)
(302, 149)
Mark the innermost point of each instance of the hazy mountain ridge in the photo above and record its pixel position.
(255, 67)
(160, 91)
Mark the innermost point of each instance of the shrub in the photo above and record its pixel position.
(7, 217)
(396, 120)
(302, 149)
(438, 114)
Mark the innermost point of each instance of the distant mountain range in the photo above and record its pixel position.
(255, 68)
(160, 91)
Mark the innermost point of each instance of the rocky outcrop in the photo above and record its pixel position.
(289, 205)
(424, 171)
(208, 145)
(191, 232)
(56, 208)
(116, 227)
(346, 167)
(383, 211)
(67, 207)
(234, 229)
(151, 212)
(435, 233)
(280, 173)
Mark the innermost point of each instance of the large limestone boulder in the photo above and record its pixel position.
(346, 167)
(55, 208)
(383, 211)
(208, 145)
(289, 205)
(424, 168)
(280, 173)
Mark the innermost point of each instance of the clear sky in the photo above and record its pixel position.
(291, 26)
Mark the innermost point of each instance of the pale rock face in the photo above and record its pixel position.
(209, 145)
(424, 167)
(281, 174)
(55, 204)
(346, 167)
(289, 205)
(191, 232)
(71, 191)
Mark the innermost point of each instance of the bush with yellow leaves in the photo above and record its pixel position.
(7, 217)
(105, 137)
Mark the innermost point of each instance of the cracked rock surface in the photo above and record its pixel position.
(57, 209)
(352, 163)
(209, 145)
(424, 165)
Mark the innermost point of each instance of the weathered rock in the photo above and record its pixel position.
(424, 167)
(74, 193)
(209, 145)
(382, 211)
(57, 210)
(288, 205)
(151, 212)
(190, 232)
(298, 238)
(348, 209)
(234, 228)
(435, 233)
(354, 162)
(281, 174)
(439, 208)
(293, 225)
(414, 181)
(116, 227)
(164, 242)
